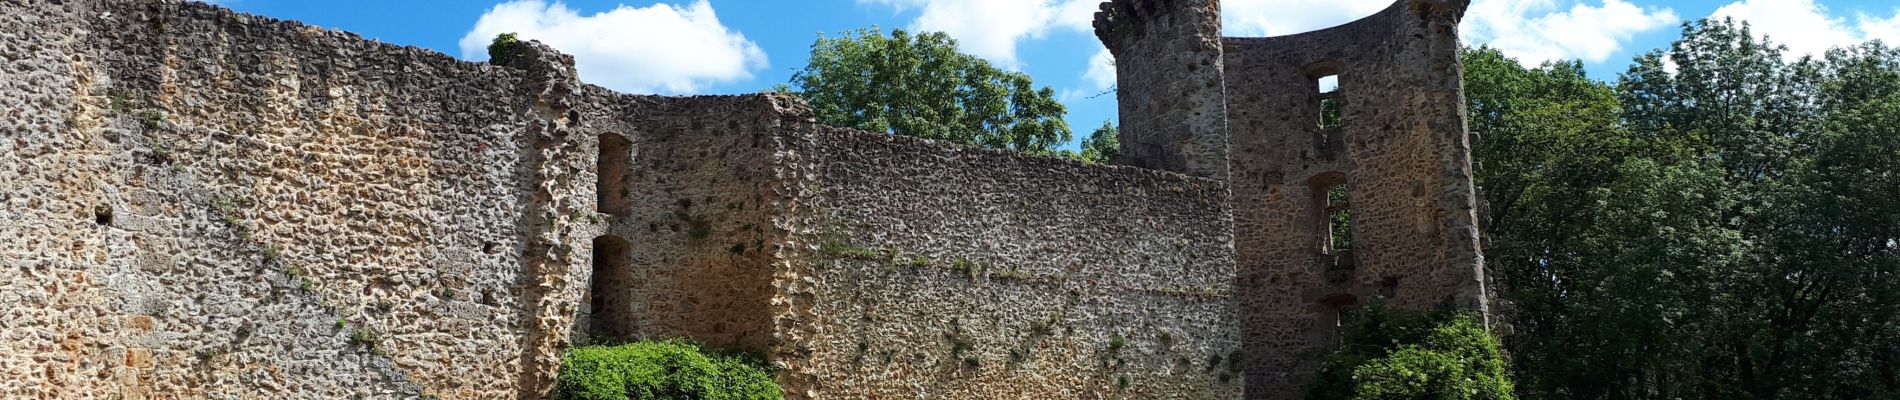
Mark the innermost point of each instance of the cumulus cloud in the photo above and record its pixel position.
(1285, 17)
(1535, 31)
(662, 48)
(1101, 72)
(992, 28)
(1884, 29)
(1806, 27)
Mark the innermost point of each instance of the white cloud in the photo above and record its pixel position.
(992, 28)
(1884, 29)
(1285, 17)
(1077, 14)
(1101, 72)
(1535, 31)
(662, 48)
(1806, 27)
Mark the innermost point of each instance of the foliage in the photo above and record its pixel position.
(1103, 145)
(501, 50)
(1721, 222)
(920, 85)
(1339, 215)
(1395, 354)
(671, 369)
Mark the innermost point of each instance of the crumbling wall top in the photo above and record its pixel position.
(1120, 20)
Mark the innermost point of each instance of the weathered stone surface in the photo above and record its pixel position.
(1401, 146)
(1169, 91)
(207, 204)
(200, 203)
(989, 274)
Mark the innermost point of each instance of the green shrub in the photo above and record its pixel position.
(501, 51)
(1396, 354)
(671, 369)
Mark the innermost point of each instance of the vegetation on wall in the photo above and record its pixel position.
(671, 369)
(501, 51)
(1387, 353)
(1723, 221)
(920, 85)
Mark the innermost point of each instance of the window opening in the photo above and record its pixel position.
(1327, 87)
(1330, 324)
(616, 157)
(607, 292)
(1328, 84)
(1339, 217)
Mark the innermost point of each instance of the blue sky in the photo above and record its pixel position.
(737, 46)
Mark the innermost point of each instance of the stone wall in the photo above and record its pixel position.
(200, 203)
(1169, 88)
(698, 219)
(935, 271)
(1401, 149)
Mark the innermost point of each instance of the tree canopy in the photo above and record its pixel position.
(1392, 354)
(1723, 221)
(920, 85)
(1102, 145)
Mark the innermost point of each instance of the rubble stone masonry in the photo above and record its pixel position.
(197, 203)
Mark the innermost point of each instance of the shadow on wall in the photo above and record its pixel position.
(616, 159)
(608, 314)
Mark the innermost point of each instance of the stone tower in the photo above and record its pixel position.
(1173, 112)
(1345, 150)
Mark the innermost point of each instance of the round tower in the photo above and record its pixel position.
(1169, 87)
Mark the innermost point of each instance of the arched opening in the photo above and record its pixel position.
(608, 298)
(611, 169)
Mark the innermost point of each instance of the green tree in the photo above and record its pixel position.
(1720, 223)
(1830, 244)
(1596, 233)
(1103, 145)
(1391, 354)
(920, 85)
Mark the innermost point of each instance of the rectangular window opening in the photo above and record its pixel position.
(608, 297)
(612, 167)
(1339, 217)
(1328, 84)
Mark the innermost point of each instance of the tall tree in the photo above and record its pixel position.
(1719, 224)
(920, 85)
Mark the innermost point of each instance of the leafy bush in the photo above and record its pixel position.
(1396, 354)
(501, 50)
(671, 369)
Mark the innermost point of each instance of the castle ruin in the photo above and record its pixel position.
(206, 204)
